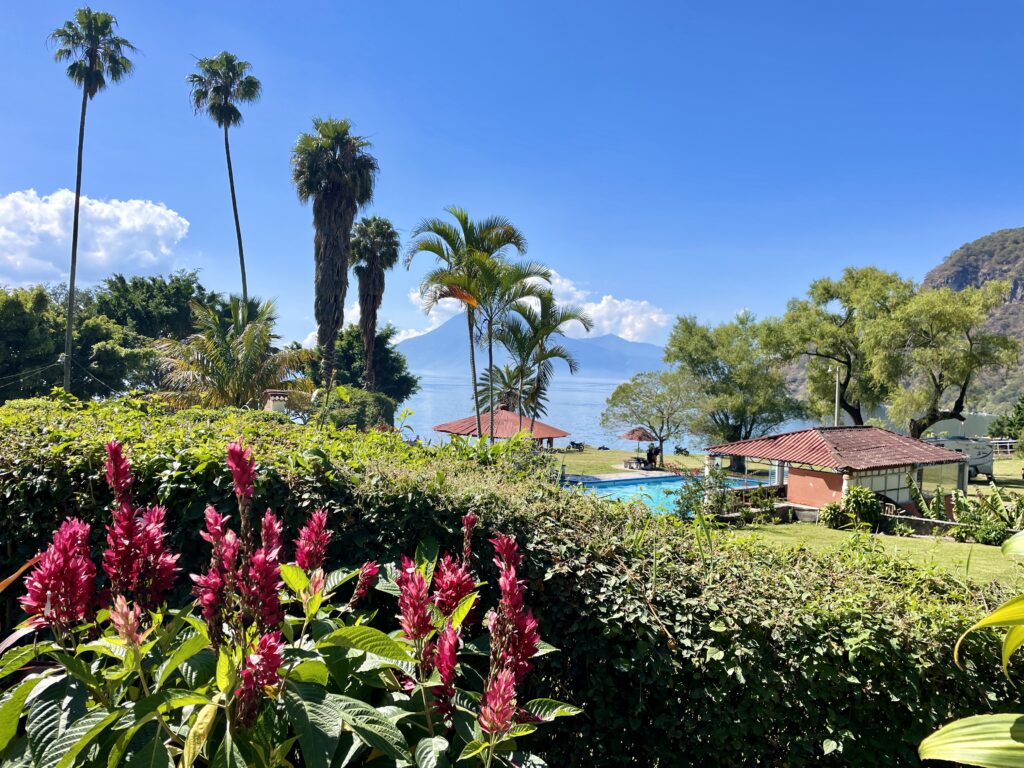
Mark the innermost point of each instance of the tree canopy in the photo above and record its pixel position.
(660, 401)
(739, 389)
(157, 307)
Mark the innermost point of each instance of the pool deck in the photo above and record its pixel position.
(636, 474)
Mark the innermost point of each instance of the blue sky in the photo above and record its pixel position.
(663, 158)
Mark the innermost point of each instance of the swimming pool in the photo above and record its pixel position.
(658, 493)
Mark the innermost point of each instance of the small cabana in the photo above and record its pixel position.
(817, 465)
(506, 424)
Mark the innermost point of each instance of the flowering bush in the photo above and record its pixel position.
(271, 664)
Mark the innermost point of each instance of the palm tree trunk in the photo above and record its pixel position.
(520, 398)
(74, 248)
(490, 374)
(472, 372)
(536, 388)
(238, 225)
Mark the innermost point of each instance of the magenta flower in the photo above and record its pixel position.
(119, 472)
(506, 551)
(260, 602)
(498, 706)
(413, 602)
(215, 588)
(261, 670)
(61, 588)
(452, 582)
(445, 662)
(468, 524)
(136, 560)
(243, 469)
(270, 533)
(514, 635)
(311, 546)
(367, 578)
(126, 621)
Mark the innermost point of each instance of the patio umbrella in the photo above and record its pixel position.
(639, 434)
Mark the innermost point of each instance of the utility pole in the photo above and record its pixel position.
(835, 418)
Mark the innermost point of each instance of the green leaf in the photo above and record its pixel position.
(294, 577)
(548, 709)
(426, 558)
(60, 701)
(522, 729)
(62, 752)
(1014, 546)
(336, 578)
(200, 669)
(182, 653)
(11, 710)
(463, 608)
(310, 671)
(543, 649)
(316, 721)
(991, 741)
(225, 671)
(472, 748)
(829, 746)
(198, 734)
(152, 755)
(1009, 614)
(430, 753)
(370, 640)
(18, 657)
(228, 755)
(372, 727)
(1013, 640)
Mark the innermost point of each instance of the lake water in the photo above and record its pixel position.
(575, 404)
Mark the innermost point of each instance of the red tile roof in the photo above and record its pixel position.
(506, 424)
(840, 449)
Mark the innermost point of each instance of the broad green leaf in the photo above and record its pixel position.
(78, 669)
(294, 577)
(182, 653)
(370, 640)
(11, 710)
(228, 755)
(59, 702)
(225, 671)
(310, 671)
(18, 657)
(105, 648)
(152, 755)
(198, 734)
(1013, 640)
(316, 721)
(463, 608)
(991, 741)
(520, 729)
(426, 558)
(1014, 546)
(549, 709)
(430, 753)
(62, 752)
(335, 579)
(473, 748)
(372, 727)
(200, 669)
(144, 712)
(543, 649)
(1009, 614)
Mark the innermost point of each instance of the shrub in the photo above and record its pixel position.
(862, 506)
(832, 516)
(902, 529)
(677, 652)
(276, 669)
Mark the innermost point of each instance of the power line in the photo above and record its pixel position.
(88, 373)
(22, 374)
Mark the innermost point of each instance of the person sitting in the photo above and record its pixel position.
(652, 454)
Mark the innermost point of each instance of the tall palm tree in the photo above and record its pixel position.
(501, 285)
(547, 320)
(221, 84)
(231, 359)
(512, 387)
(95, 55)
(519, 341)
(454, 245)
(332, 167)
(374, 251)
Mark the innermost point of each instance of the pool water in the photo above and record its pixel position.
(658, 493)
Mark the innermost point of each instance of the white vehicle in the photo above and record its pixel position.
(979, 454)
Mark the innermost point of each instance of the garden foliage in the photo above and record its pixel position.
(678, 653)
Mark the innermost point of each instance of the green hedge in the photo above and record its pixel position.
(680, 655)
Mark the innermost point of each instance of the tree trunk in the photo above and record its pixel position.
(69, 331)
(521, 399)
(371, 290)
(238, 227)
(332, 222)
(472, 372)
(533, 414)
(490, 375)
(661, 452)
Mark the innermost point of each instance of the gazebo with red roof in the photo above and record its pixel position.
(817, 465)
(506, 424)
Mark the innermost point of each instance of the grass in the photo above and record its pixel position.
(591, 461)
(975, 561)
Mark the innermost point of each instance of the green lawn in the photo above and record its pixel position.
(985, 563)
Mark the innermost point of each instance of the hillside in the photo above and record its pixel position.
(998, 256)
(446, 349)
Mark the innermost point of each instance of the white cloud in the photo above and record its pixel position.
(438, 315)
(134, 236)
(351, 318)
(632, 319)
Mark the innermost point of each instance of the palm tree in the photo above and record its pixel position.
(231, 359)
(548, 320)
(374, 251)
(221, 84)
(95, 54)
(511, 386)
(502, 285)
(453, 245)
(520, 342)
(332, 167)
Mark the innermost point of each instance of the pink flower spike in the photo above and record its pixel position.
(445, 662)
(119, 471)
(468, 524)
(126, 621)
(413, 601)
(270, 535)
(243, 468)
(452, 583)
(60, 589)
(506, 551)
(498, 706)
(367, 578)
(311, 546)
